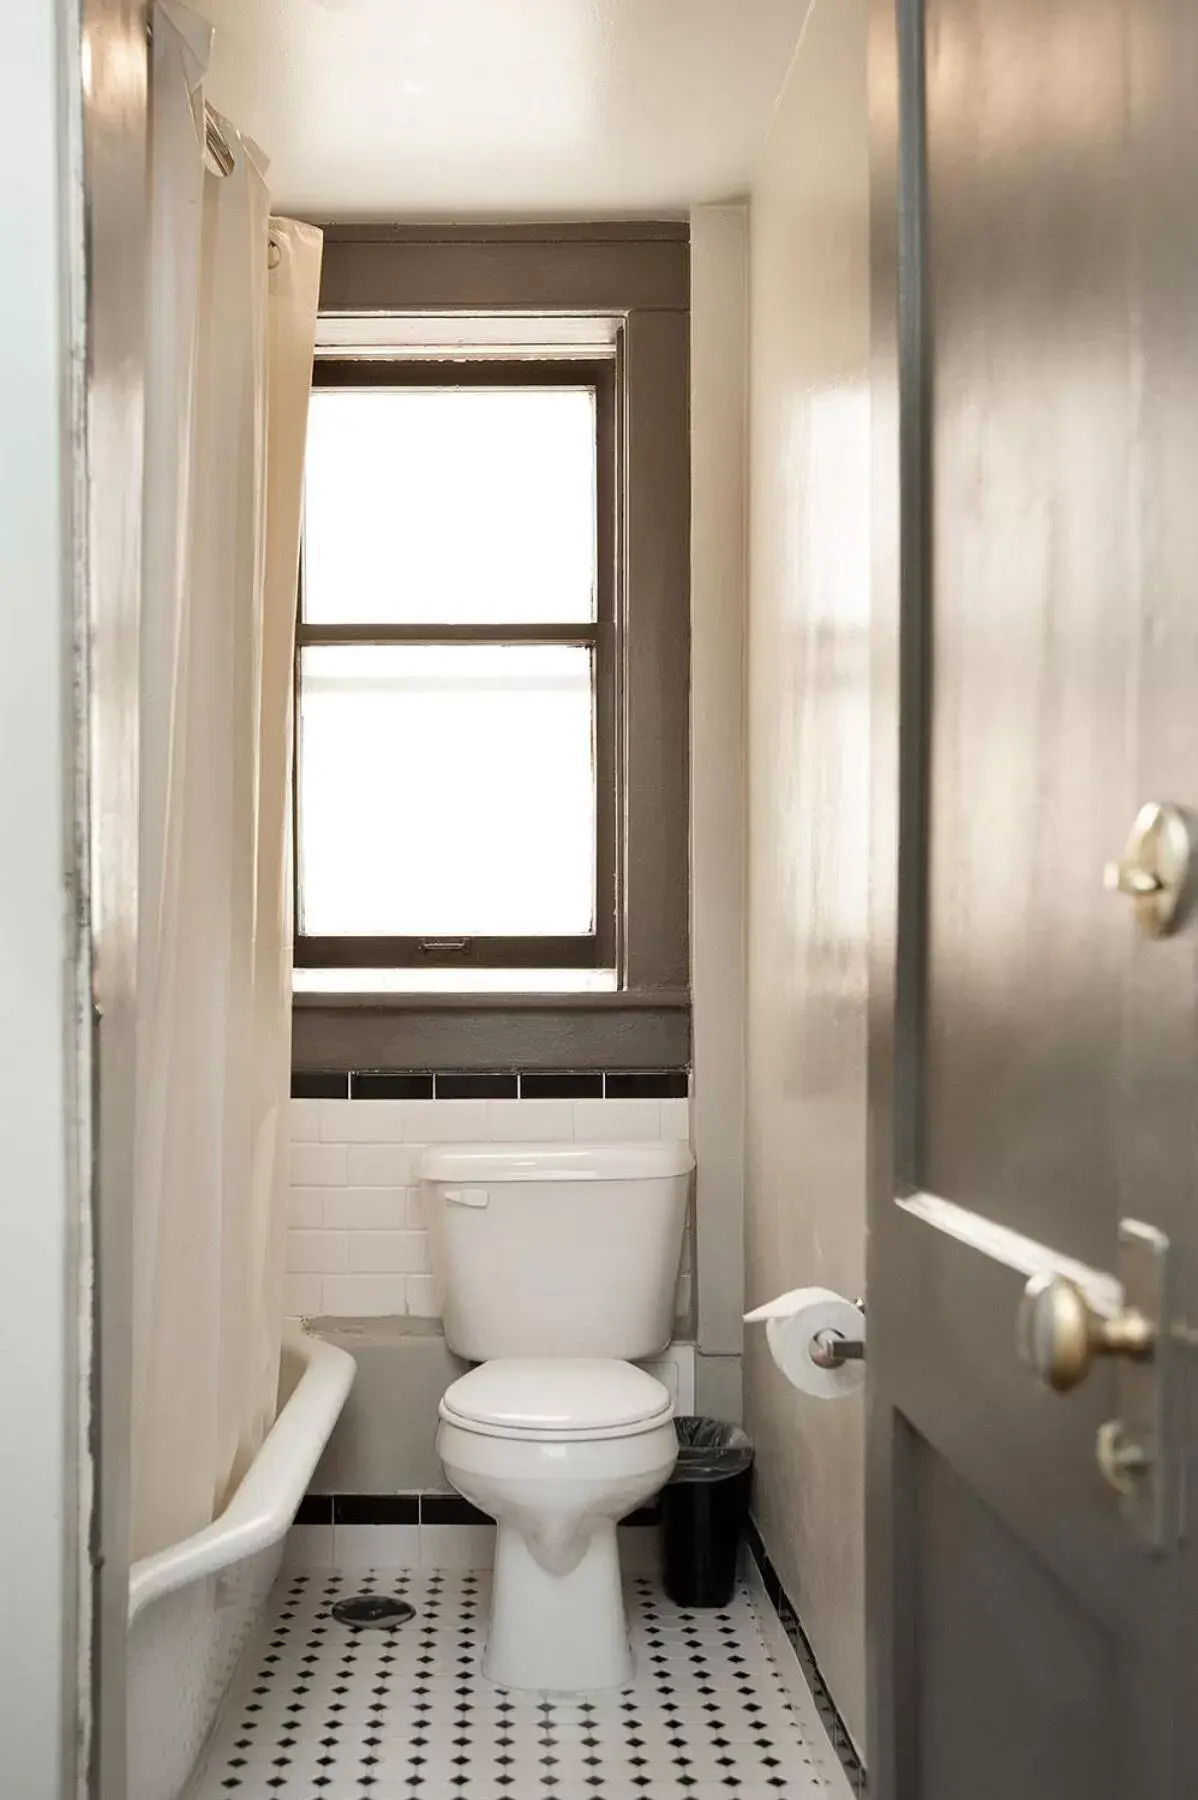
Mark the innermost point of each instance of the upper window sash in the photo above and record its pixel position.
(599, 949)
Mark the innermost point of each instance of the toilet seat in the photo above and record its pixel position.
(557, 1400)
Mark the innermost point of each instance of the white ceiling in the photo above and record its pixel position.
(383, 109)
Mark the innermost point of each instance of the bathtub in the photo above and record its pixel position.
(193, 1606)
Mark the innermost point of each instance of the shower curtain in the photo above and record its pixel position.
(231, 301)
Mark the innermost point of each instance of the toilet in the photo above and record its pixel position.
(556, 1266)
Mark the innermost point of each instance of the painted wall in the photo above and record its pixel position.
(808, 767)
(38, 1388)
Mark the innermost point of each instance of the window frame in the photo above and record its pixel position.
(626, 281)
(598, 949)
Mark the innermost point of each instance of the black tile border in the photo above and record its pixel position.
(319, 1084)
(497, 1084)
(646, 1084)
(476, 1087)
(375, 1084)
(561, 1084)
(788, 1618)
(414, 1509)
(450, 1509)
(375, 1509)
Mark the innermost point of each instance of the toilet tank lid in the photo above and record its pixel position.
(555, 1162)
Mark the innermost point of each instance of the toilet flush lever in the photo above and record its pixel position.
(468, 1196)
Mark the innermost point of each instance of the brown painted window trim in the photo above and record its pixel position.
(638, 275)
(601, 269)
(598, 949)
(465, 1032)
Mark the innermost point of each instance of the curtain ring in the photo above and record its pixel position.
(274, 254)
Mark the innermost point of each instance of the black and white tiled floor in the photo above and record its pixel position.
(320, 1711)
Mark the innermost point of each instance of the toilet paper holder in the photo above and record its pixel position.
(829, 1350)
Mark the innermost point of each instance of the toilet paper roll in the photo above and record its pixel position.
(791, 1322)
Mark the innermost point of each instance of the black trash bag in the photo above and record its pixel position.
(709, 1450)
(704, 1508)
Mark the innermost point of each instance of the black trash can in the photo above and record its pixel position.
(704, 1507)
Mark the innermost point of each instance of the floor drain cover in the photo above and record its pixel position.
(373, 1609)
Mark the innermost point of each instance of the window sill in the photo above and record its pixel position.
(667, 999)
(469, 982)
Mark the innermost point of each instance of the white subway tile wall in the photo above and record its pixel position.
(356, 1243)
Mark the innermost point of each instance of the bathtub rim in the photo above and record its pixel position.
(264, 1507)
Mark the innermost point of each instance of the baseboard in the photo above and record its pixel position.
(783, 1611)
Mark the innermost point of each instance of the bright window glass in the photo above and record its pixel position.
(450, 505)
(447, 790)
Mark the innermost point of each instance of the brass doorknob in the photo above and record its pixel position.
(1060, 1335)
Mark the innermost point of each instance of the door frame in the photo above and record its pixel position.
(899, 705)
(72, 537)
(108, 201)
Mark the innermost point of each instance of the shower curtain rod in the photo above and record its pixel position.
(221, 152)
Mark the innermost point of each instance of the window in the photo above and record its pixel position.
(457, 783)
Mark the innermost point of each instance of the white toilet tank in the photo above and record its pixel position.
(556, 1249)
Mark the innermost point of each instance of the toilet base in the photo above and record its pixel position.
(558, 1633)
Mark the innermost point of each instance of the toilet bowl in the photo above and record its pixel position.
(557, 1451)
